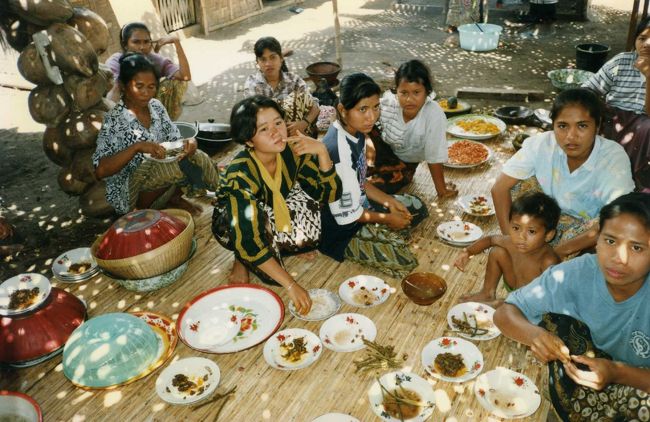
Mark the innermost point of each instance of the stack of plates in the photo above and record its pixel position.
(75, 266)
(459, 233)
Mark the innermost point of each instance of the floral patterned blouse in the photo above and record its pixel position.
(120, 130)
(256, 85)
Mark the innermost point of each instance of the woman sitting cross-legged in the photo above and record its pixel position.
(269, 204)
(138, 124)
(572, 164)
(594, 320)
(349, 224)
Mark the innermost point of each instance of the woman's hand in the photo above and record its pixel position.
(189, 147)
(152, 148)
(300, 298)
(397, 207)
(164, 40)
(599, 375)
(643, 64)
(302, 144)
(397, 221)
(450, 191)
(548, 347)
(295, 128)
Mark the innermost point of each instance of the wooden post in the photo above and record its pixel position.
(337, 33)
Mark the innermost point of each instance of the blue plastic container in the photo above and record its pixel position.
(472, 39)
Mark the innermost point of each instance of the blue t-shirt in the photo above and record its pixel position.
(577, 288)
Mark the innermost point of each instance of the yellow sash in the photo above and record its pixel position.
(280, 209)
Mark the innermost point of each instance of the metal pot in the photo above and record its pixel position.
(213, 132)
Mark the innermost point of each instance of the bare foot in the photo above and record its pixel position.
(482, 297)
(238, 274)
(309, 256)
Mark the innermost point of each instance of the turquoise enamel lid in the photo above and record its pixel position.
(109, 350)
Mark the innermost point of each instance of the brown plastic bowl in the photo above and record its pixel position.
(327, 70)
(423, 288)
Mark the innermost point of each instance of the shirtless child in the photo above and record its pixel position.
(522, 255)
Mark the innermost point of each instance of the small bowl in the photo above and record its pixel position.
(568, 78)
(20, 407)
(513, 114)
(327, 70)
(187, 130)
(423, 288)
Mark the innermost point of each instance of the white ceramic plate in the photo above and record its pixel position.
(169, 146)
(466, 166)
(275, 348)
(324, 304)
(62, 264)
(472, 357)
(459, 232)
(345, 332)
(261, 312)
(26, 281)
(364, 291)
(477, 314)
(198, 370)
(214, 329)
(507, 394)
(455, 130)
(477, 205)
(406, 380)
(335, 417)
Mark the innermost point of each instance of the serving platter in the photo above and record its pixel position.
(277, 347)
(324, 304)
(364, 291)
(471, 356)
(507, 394)
(398, 380)
(454, 129)
(474, 144)
(259, 310)
(345, 332)
(478, 315)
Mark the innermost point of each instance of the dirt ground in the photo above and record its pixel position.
(374, 37)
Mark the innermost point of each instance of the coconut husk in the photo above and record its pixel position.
(92, 26)
(40, 12)
(81, 129)
(104, 105)
(85, 92)
(93, 202)
(18, 32)
(69, 184)
(82, 166)
(49, 104)
(71, 51)
(108, 75)
(31, 67)
(55, 148)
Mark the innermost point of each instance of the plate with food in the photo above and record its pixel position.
(75, 265)
(23, 293)
(467, 154)
(173, 151)
(260, 312)
(477, 205)
(475, 126)
(473, 321)
(324, 304)
(459, 233)
(188, 381)
(345, 332)
(364, 291)
(452, 106)
(452, 359)
(507, 394)
(291, 349)
(402, 396)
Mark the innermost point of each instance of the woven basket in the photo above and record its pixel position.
(155, 262)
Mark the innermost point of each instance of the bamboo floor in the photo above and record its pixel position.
(328, 385)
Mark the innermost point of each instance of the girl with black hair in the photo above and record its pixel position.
(622, 82)
(135, 37)
(578, 168)
(349, 229)
(413, 129)
(274, 80)
(270, 201)
(136, 126)
(589, 319)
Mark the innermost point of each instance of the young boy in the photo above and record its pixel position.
(522, 255)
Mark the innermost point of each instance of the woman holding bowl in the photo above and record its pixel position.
(136, 126)
(581, 170)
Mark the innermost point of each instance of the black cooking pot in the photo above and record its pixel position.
(212, 136)
(513, 114)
